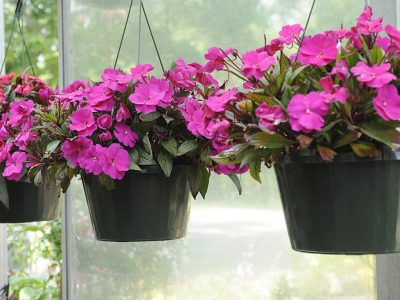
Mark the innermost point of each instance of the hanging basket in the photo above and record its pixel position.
(143, 206)
(349, 206)
(23, 201)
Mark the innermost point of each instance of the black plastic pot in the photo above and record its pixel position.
(349, 206)
(144, 206)
(22, 201)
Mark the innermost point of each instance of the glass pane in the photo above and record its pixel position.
(237, 246)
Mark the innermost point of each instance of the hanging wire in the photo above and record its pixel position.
(305, 29)
(152, 36)
(18, 17)
(139, 32)
(123, 34)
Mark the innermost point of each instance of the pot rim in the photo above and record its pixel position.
(387, 155)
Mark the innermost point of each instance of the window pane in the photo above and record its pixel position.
(237, 246)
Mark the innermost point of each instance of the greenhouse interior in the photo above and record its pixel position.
(199, 150)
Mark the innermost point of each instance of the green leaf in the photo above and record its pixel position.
(32, 172)
(255, 155)
(295, 73)
(383, 132)
(364, 149)
(107, 182)
(204, 180)
(145, 159)
(187, 146)
(376, 55)
(147, 145)
(134, 159)
(165, 161)
(255, 169)
(235, 179)
(52, 146)
(170, 145)
(346, 139)
(149, 117)
(271, 141)
(233, 155)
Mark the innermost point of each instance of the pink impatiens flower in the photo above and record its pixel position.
(74, 150)
(19, 110)
(6, 78)
(123, 113)
(104, 121)
(341, 70)
(216, 59)
(105, 136)
(24, 89)
(289, 33)
(193, 114)
(14, 165)
(140, 71)
(90, 160)
(376, 76)
(217, 103)
(306, 112)
(256, 63)
(387, 103)
(83, 121)
(115, 161)
(270, 116)
(147, 96)
(366, 25)
(100, 98)
(332, 92)
(394, 35)
(116, 80)
(125, 135)
(318, 50)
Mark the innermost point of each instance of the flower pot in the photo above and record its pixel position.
(349, 206)
(23, 201)
(143, 206)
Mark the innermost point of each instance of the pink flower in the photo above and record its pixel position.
(216, 59)
(116, 80)
(290, 33)
(255, 63)
(100, 98)
(123, 113)
(318, 50)
(228, 169)
(306, 112)
(74, 150)
(148, 96)
(218, 103)
(45, 94)
(140, 71)
(76, 86)
(216, 126)
(24, 138)
(115, 161)
(182, 75)
(6, 78)
(384, 43)
(90, 160)
(394, 35)
(274, 46)
(104, 121)
(14, 165)
(193, 114)
(24, 89)
(5, 150)
(125, 135)
(332, 92)
(376, 76)
(366, 25)
(270, 116)
(387, 103)
(105, 136)
(83, 122)
(19, 110)
(341, 70)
